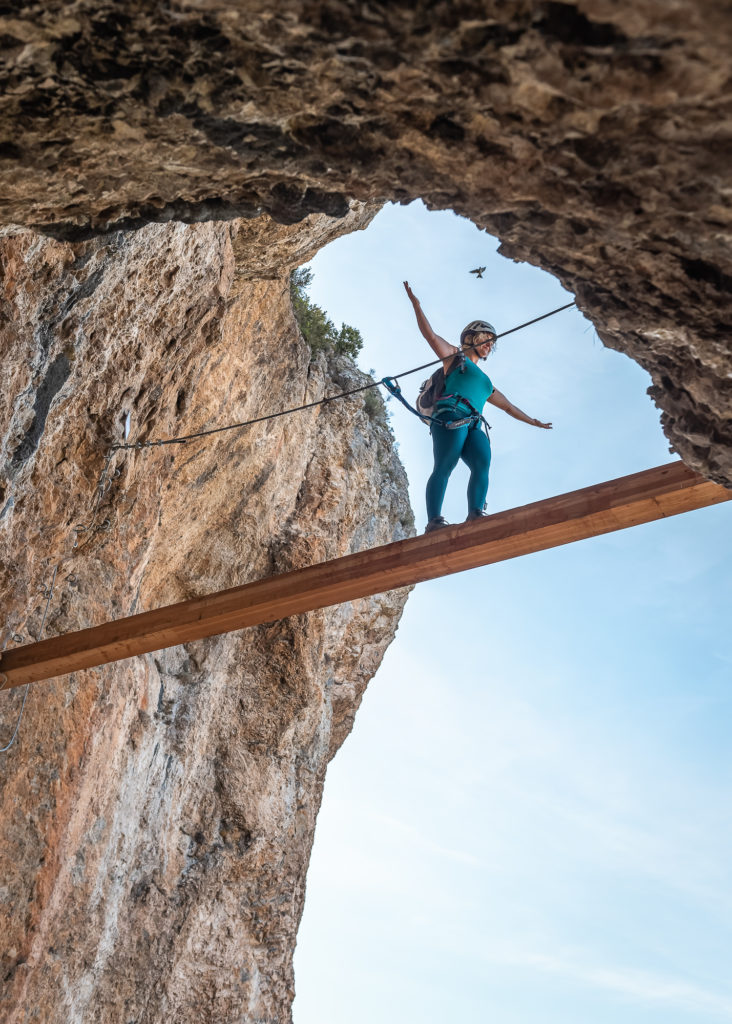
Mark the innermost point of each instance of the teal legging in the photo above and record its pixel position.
(470, 444)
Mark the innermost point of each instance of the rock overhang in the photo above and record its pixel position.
(588, 137)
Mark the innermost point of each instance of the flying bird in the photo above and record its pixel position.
(478, 271)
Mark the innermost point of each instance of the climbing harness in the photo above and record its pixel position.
(474, 419)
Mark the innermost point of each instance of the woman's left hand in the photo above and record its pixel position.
(544, 426)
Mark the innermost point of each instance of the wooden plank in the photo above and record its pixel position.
(628, 501)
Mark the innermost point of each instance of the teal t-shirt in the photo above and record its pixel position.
(472, 384)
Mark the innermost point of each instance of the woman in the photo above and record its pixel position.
(467, 389)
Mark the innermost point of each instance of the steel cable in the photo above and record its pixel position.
(140, 445)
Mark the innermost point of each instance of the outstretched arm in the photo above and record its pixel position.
(438, 345)
(501, 402)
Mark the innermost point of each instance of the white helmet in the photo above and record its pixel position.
(477, 327)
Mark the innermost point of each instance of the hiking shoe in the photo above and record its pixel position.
(436, 524)
(476, 513)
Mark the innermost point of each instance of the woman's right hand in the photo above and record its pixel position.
(412, 297)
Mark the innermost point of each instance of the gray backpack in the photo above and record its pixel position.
(433, 389)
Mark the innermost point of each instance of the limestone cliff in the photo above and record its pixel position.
(591, 136)
(157, 815)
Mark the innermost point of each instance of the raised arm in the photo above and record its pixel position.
(501, 402)
(439, 346)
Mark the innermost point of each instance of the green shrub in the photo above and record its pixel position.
(317, 329)
(375, 407)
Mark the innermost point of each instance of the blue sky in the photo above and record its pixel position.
(538, 827)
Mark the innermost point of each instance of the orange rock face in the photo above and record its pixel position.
(157, 815)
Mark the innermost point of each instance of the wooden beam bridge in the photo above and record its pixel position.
(629, 501)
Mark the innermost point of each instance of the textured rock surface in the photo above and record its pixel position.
(593, 137)
(157, 815)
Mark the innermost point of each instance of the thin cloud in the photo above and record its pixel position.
(622, 981)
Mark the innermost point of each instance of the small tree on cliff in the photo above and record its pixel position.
(317, 329)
